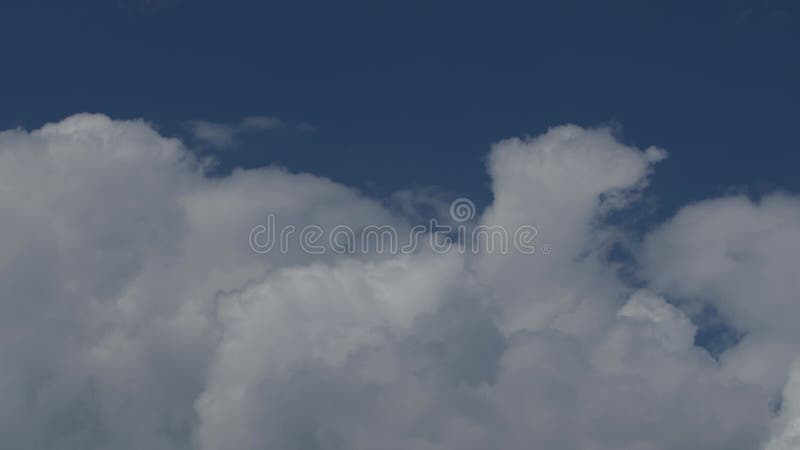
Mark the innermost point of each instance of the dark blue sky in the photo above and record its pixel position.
(407, 93)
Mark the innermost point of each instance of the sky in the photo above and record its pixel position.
(210, 223)
(388, 84)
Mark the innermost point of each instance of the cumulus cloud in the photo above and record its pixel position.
(739, 256)
(222, 135)
(133, 313)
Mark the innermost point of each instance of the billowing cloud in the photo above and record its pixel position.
(134, 314)
(739, 256)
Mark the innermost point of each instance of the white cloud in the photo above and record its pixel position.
(133, 313)
(219, 135)
(740, 256)
(263, 123)
(226, 135)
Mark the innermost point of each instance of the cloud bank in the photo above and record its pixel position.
(134, 315)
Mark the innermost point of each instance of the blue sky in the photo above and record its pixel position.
(405, 94)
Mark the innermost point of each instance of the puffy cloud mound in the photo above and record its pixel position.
(133, 313)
